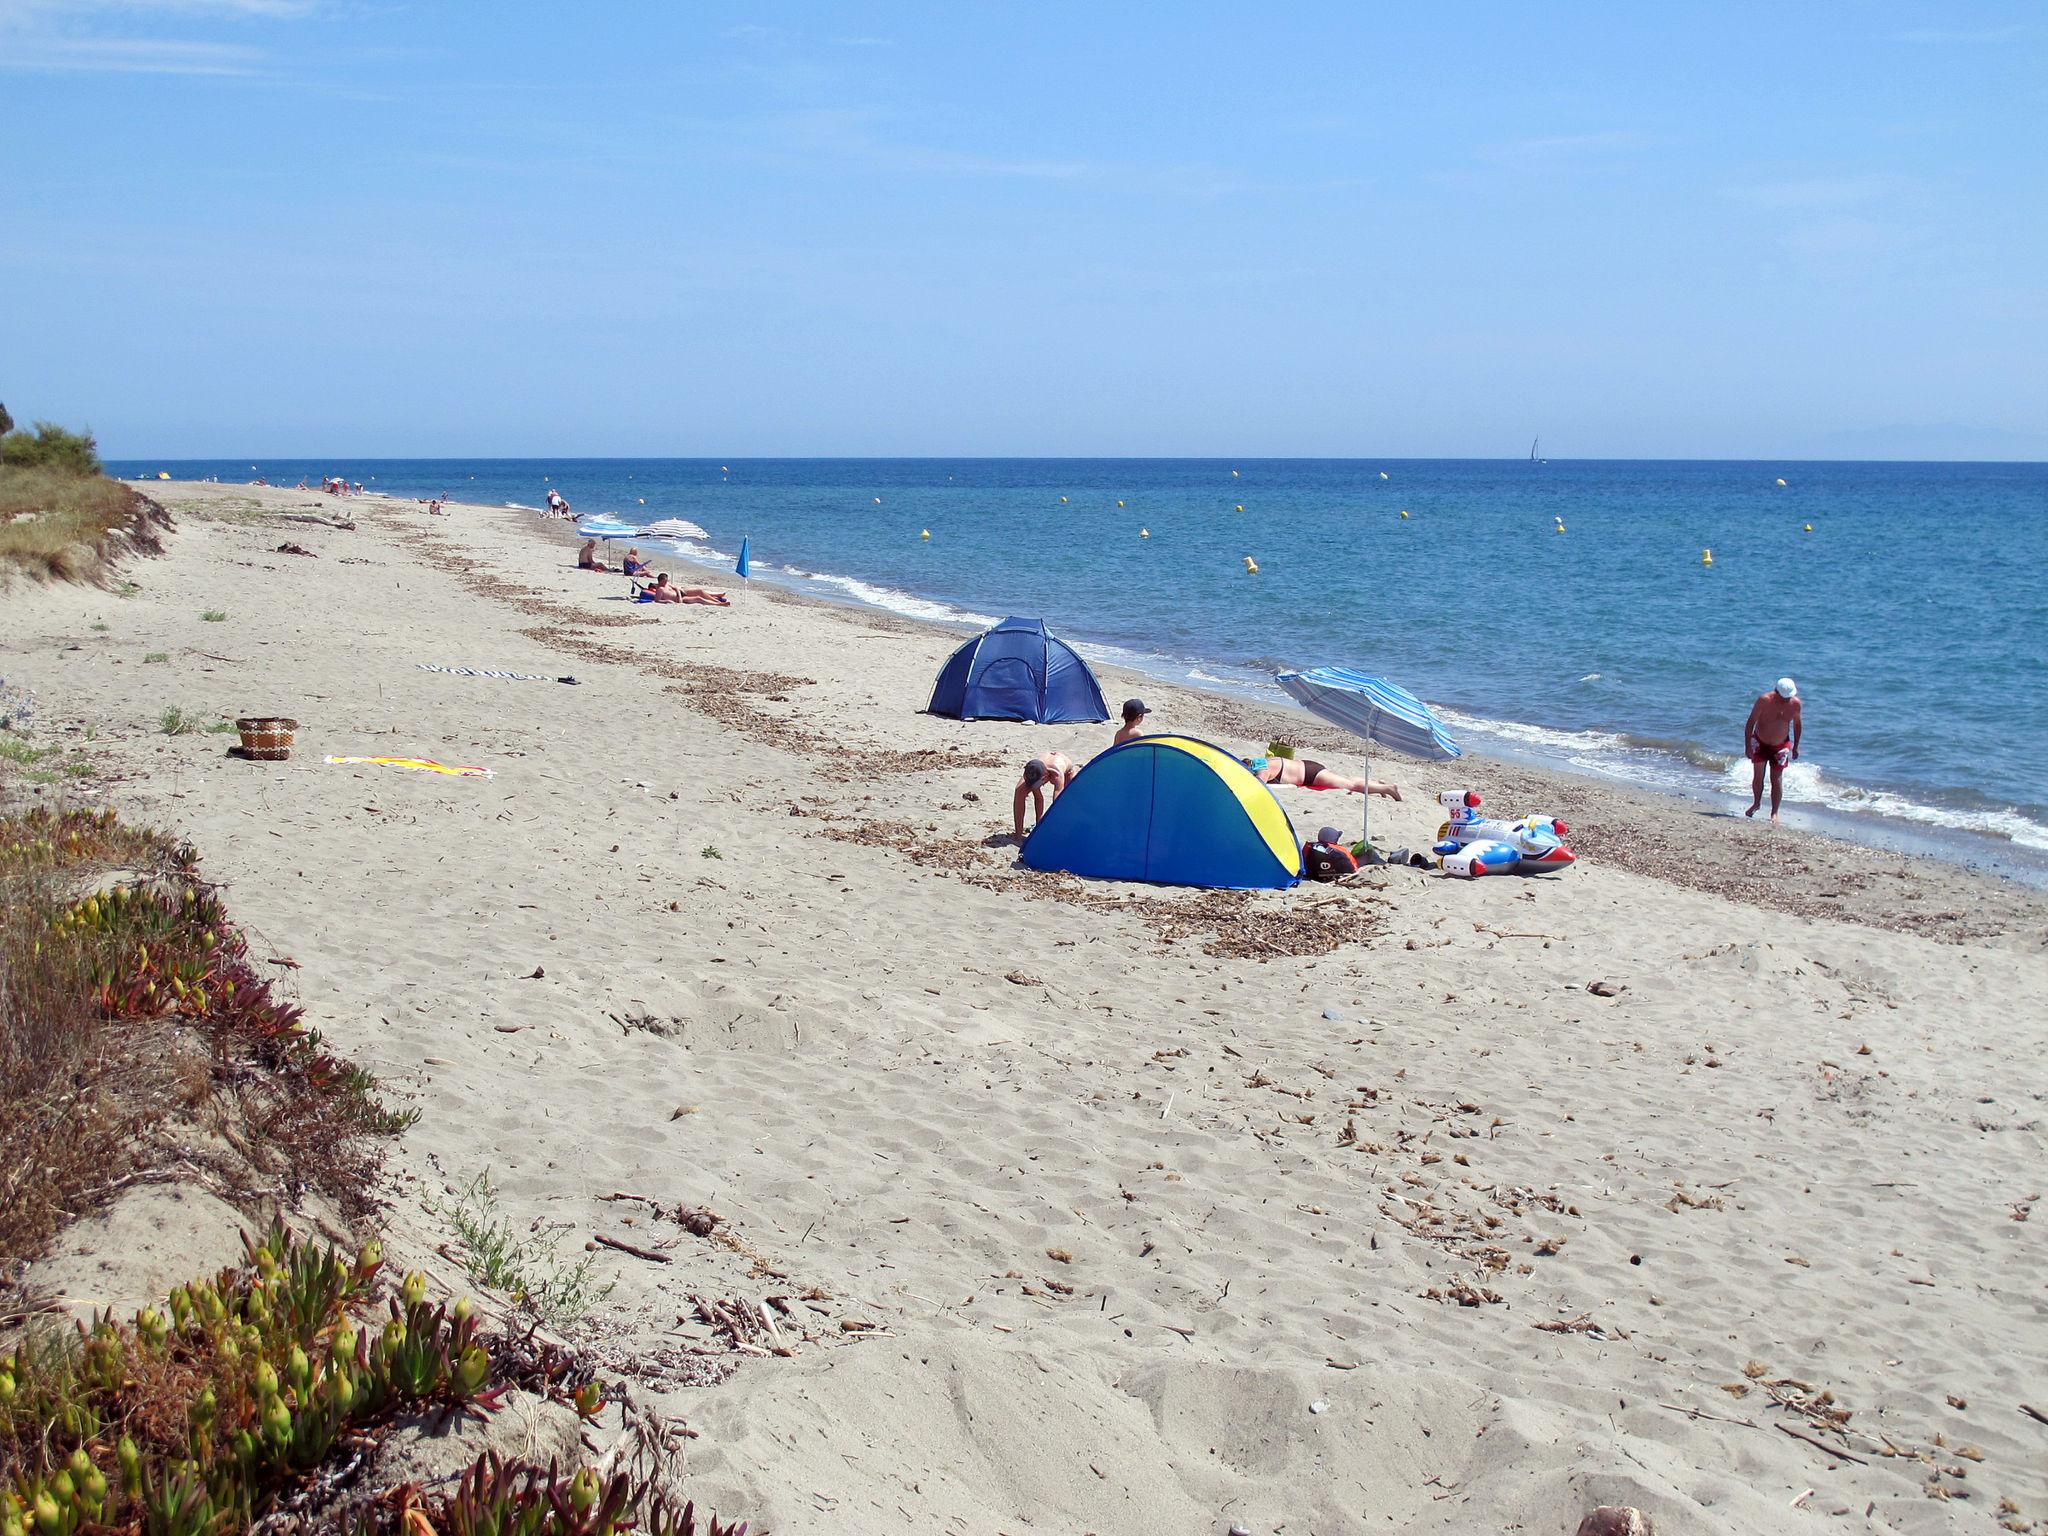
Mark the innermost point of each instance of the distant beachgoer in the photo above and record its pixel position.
(1307, 773)
(1043, 779)
(662, 592)
(633, 565)
(587, 560)
(1134, 722)
(302, 484)
(359, 487)
(1770, 740)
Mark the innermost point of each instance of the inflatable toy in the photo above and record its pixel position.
(1472, 845)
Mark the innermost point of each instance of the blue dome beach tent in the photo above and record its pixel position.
(1018, 671)
(1173, 811)
(1376, 709)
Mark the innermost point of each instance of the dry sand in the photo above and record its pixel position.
(1118, 1209)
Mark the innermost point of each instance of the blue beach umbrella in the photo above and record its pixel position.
(1370, 706)
(743, 567)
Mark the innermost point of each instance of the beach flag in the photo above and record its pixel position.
(742, 568)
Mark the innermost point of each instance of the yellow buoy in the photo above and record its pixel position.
(1560, 527)
(1144, 533)
(1781, 481)
(927, 533)
(1404, 511)
(1251, 566)
(1240, 506)
(1809, 527)
(163, 474)
(1119, 503)
(1706, 557)
(1063, 501)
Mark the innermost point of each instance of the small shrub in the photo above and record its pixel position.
(710, 851)
(51, 447)
(221, 727)
(175, 721)
(99, 628)
(157, 656)
(214, 615)
(530, 1270)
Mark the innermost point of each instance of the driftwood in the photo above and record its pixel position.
(638, 1253)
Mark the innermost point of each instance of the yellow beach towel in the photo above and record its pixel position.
(425, 764)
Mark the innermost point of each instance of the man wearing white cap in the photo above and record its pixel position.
(1770, 740)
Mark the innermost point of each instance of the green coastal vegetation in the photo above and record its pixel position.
(131, 1013)
(61, 518)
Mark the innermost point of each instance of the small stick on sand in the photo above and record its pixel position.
(2034, 1413)
(1701, 1413)
(638, 1253)
(1787, 1429)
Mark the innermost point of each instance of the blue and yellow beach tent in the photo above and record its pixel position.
(1171, 810)
(1018, 671)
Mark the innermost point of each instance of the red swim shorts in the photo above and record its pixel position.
(1765, 752)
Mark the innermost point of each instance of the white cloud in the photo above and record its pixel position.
(128, 55)
(1937, 36)
(1564, 148)
(1817, 193)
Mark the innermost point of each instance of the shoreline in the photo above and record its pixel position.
(1887, 812)
(1357, 1206)
(1977, 853)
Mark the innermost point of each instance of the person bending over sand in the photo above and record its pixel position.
(1770, 740)
(587, 560)
(662, 592)
(1044, 777)
(1307, 773)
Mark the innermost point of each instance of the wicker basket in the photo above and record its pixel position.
(266, 738)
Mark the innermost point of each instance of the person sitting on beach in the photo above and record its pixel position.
(662, 592)
(1770, 740)
(1134, 722)
(587, 560)
(1307, 773)
(1043, 779)
(633, 565)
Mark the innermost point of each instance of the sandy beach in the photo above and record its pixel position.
(1108, 1208)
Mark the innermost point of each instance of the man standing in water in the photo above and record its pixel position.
(1770, 739)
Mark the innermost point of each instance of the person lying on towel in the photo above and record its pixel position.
(662, 592)
(1307, 773)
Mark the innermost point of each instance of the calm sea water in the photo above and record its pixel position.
(1911, 614)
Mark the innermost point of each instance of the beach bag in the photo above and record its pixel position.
(1321, 861)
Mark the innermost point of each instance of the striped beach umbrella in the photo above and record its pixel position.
(1370, 706)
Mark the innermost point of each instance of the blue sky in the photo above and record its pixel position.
(1640, 230)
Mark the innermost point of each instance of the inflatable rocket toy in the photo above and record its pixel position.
(1472, 845)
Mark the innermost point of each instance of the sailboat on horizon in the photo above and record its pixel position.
(1534, 442)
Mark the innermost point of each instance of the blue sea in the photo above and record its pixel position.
(1907, 599)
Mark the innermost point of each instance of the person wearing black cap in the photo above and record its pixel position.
(1134, 722)
(1043, 779)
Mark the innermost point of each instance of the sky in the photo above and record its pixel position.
(1686, 230)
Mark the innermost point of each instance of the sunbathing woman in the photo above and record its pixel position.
(587, 560)
(662, 592)
(633, 565)
(1044, 777)
(1307, 773)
